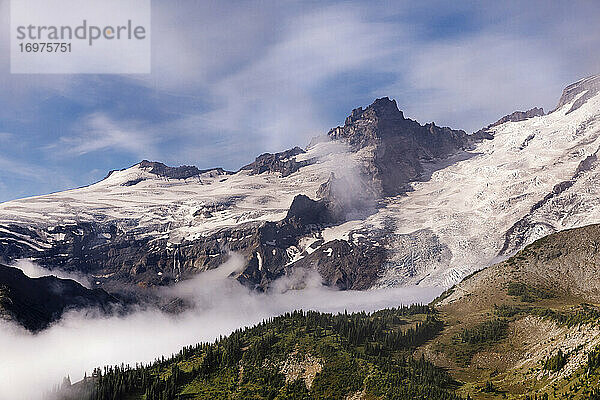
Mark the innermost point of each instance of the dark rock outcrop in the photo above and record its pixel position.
(182, 172)
(519, 116)
(344, 265)
(516, 116)
(283, 162)
(162, 170)
(37, 302)
(133, 182)
(306, 211)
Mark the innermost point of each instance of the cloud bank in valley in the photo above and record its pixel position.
(32, 364)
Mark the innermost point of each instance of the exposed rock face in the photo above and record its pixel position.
(160, 169)
(516, 116)
(345, 265)
(165, 171)
(307, 211)
(520, 116)
(36, 302)
(301, 366)
(589, 85)
(399, 144)
(283, 162)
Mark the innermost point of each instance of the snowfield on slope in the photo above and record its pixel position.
(144, 203)
(471, 204)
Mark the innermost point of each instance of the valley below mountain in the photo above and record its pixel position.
(526, 328)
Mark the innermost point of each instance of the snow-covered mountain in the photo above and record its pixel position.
(380, 201)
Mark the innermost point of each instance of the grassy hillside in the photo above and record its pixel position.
(525, 327)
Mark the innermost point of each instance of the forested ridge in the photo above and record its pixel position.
(298, 355)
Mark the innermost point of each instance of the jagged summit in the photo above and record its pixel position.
(518, 116)
(399, 144)
(181, 172)
(283, 162)
(382, 108)
(153, 169)
(383, 118)
(158, 168)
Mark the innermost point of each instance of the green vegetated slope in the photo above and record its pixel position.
(526, 328)
(301, 355)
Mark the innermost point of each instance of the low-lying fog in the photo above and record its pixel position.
(32, 364)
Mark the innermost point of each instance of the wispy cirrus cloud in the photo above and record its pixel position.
(16, 167)
(14, 171)
(465, 82)
(276, 95)
(100, 132)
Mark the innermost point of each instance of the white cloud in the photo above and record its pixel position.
(266, 93)
(277, 94)
(33, 270)
(15, 170)
(264, 73)
(16, 167)
(465, 82)
(99, 131)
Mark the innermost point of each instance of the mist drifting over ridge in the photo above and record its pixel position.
(83, 340)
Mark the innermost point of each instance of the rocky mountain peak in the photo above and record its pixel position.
(382, 108)
(589, 85)
(520, 116)
(131, 176)
(283, 162)
(400, 144)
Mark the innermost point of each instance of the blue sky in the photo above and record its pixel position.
(231, 80)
